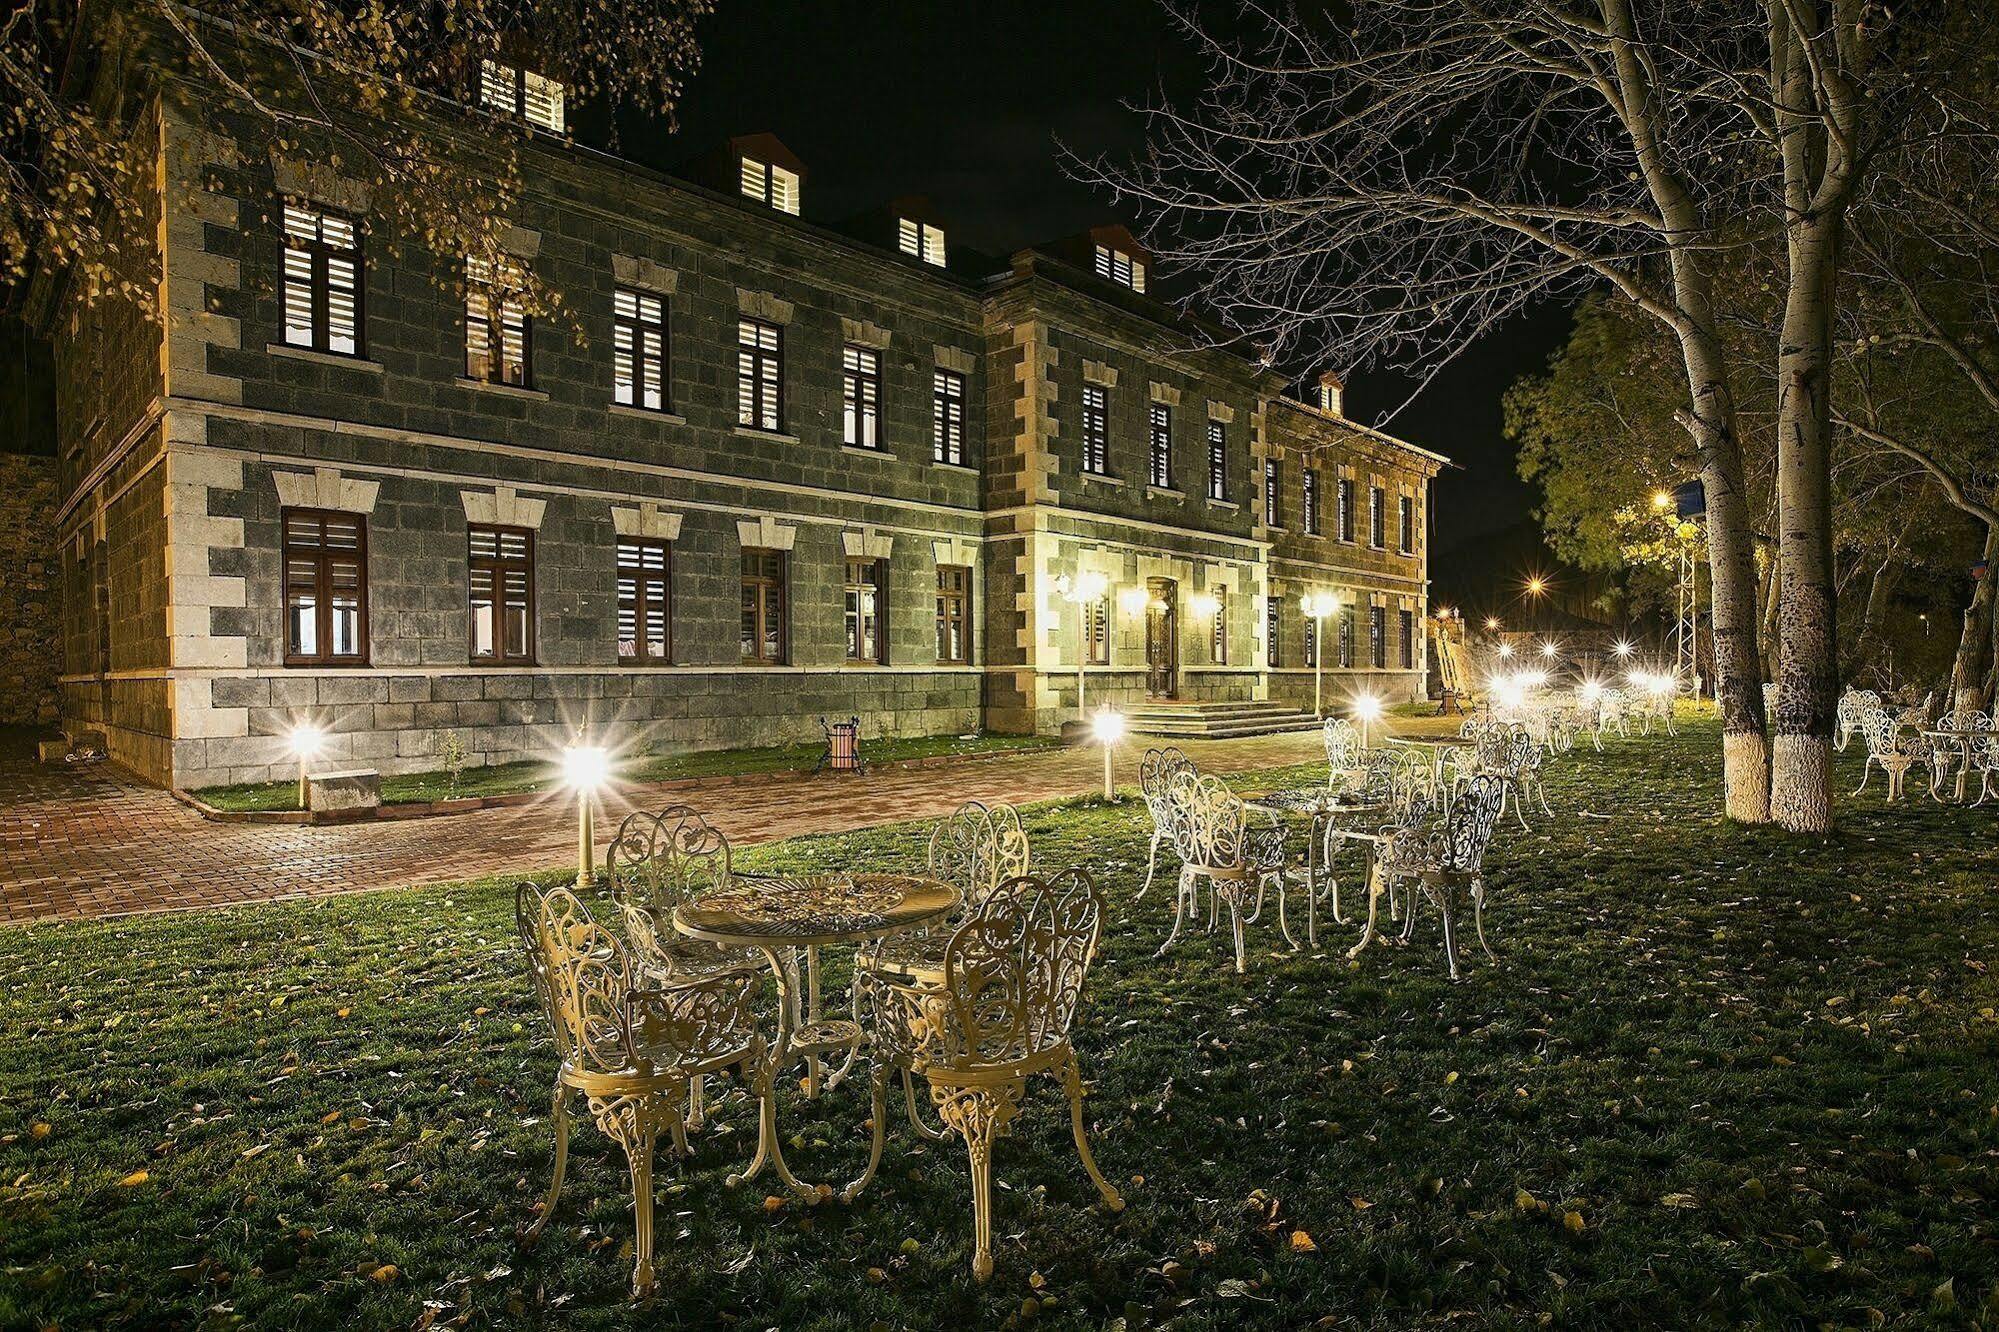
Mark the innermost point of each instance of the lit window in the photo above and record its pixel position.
(1408, 544)
(1096, 430)
(1377, 523)
(1218, 461)
(763, 607)
(1219, 640)
(522, 94)
(947, 418)
(1273, 515)
(1346, 638)
(923, 240)
(498, 341)
(325, 588)
(1346, 508)
(861, 393)
(954, 614)
(768, 184)
(1408, 626)
(759, 375)
(1377, 636)
(1159, 467)
(645, 601)
(866, 612)
(1310, 505)
(322, 288)
(500, 592)
(1120, 268)
(1273, 623)
(1097, 630)
(638, 350)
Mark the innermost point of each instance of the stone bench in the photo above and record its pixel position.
(347, 789)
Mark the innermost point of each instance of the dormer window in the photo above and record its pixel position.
(923, 240)
(1332, 395)
(511, 90)
(1120, 268)
(770, 184)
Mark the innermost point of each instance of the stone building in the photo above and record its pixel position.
(761, 471)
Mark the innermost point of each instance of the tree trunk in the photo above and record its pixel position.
(1974, 643)
(1808, 647)
(1880, 588)
(1745, 754)
(1767, 616)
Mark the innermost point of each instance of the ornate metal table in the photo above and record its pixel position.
(1328, 810)
(1956, 743)
(776, 916)
(1441, 748)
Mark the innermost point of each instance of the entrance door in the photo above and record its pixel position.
(1162, 639)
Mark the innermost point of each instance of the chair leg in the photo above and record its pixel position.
(1072, 1087)
(1866, 771)
(1151, 864)
(697, 1103)
(560, 1115)
(632, 1125)
(1478, 918)
(1450, 937)
(1235, 928)
(1519, 800)
(1181, 893)
(1541, 795)
(923, 1130)
(878, 1103)
(1283, 925)
(977, 1114)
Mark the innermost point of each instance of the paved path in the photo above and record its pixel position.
(88, 841)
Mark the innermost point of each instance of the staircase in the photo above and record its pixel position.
(1216, 721)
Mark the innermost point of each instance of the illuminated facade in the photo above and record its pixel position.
(759, 471)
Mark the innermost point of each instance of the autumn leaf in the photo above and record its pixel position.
(1302, 1243)
(134, 1180)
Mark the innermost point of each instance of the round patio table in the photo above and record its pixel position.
(776, 915)
(1959, 743)
(1328, 810)
(1441, 747)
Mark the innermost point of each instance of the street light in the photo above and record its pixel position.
(1536, 586)
(1368, 709)
(585, 769)
(1622, 648)
(1662, 499)
(1491, 623)
(1506, 649)
(1317, 606)
(1109, 729)
(1083, 590)
(306, 742)
(1548, 650)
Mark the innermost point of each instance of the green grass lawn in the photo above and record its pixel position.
(1720, 1078)
(513, 778)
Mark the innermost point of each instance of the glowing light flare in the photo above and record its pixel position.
(585, 767)
(1108, 725)
(1622, 647)
(307, 740)
(1506, 649)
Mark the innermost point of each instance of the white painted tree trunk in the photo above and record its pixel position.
(1968, 671)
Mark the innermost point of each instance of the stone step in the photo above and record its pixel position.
(1218, 720)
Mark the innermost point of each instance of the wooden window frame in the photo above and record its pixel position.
(947, 417)
(1377, 637)
(954, 608)
(499, 306)
(320, 254)
(496, 567)
(865, 575)
(1096, 430)
(1273, 630)
(1345, 515)
(643, 580)
(1096, 629)
(752, 355)
(322, 588)
(636, 326)
(1309, 505)
(1273, 493)
(861, 398)
(768, 588)
(1218, 641)
(1347, 635)
(1218, 460)
(1377, 518)
(1406, 622)
(1311, 641)
(1406, 525)
(1159, 446)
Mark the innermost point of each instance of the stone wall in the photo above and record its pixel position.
(30, 591)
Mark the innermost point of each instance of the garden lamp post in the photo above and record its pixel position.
(1109, 729)
(306, 742)
(585, 767)
(1082, 591)
(1368, 709)
(1317, 606)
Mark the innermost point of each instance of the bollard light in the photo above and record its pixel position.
(307, 740)
(585, 770)
(1108, 726)
(1367, 708)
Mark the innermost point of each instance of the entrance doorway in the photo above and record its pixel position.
(1162, 638)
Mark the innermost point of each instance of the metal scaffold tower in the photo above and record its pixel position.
(1687, 624)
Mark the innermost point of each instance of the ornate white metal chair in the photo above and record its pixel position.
(1216, 843)
(1155, 779)
(631, 1052)
(1985, 762)
(1516, 757)
(1445, 857)
(1851, 711)
(1956, 753)
(1893, 747)
(1013, 977)
(1343, 755)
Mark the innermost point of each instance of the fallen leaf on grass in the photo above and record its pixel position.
(1302, 1243)
(134, 1180)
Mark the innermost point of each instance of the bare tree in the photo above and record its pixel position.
(355, 85)
(1386, 188)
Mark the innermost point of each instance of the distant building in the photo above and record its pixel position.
(772, 472)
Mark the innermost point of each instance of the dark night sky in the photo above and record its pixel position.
(965, 102)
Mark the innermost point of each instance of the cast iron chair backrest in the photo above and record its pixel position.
(1343, 749)
(1468, 828)
(1015, 968)
(1964, 719)
(583, 977)
(658, 861)
(977, 848)
(1155, 779)
(1209, 821)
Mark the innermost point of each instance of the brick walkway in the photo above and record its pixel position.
(83, 842)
